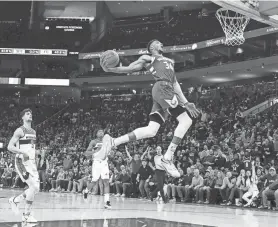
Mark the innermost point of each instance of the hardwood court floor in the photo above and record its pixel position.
(71, 210)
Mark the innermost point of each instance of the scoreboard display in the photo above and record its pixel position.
(23, 51)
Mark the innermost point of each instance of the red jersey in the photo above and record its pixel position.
(162, 69)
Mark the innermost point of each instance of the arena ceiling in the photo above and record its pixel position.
(136, 8)
(118, 9)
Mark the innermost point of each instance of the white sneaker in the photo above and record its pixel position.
(123, 195)
(14, 205)
(28, 218)
(247, 205)
(118, 195)
(170, 168)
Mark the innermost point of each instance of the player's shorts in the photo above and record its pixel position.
(27, 173)
(100, 169)
(164, 97)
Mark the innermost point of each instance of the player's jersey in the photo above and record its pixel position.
(28, 143)
(162, 69)
(97, 144)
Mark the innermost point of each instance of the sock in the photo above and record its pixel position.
(28, 206)
(170, 151)
(106, 197)
(20, 198)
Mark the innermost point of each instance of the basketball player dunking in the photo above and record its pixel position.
(100, 166)
(168, 98)
(23, 145)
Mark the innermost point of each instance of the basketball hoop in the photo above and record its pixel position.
(233, 25)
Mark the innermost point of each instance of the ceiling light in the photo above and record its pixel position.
(263, 66)
(119, 3)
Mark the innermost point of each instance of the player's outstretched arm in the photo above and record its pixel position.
(12, 144)
(133, 67)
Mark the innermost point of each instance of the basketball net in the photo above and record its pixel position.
(233, 24)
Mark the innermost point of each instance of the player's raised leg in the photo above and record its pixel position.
(184, 124)
(140, 133)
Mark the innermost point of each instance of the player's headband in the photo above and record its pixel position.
(150, 43)
(22, 113)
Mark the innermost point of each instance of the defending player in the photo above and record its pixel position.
(23, 145)
(100, 166)
(168, 98)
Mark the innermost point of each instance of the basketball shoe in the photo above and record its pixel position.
(107, 205)
(169, 167)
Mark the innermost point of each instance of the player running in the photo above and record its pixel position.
(23, 145)
(168, 98)
(100, 166)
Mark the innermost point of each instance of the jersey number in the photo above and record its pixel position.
(169, 66)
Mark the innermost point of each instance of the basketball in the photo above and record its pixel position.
(110, 58)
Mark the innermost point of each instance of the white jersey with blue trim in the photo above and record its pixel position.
(28, 143)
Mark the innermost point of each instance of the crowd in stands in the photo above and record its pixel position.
(220, 163)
